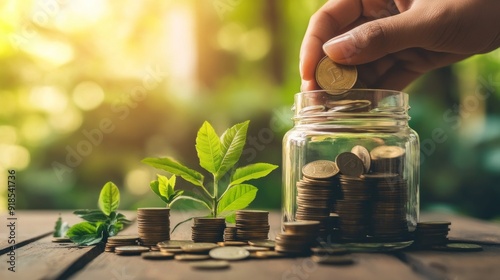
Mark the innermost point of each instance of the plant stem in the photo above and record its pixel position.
(215, 197)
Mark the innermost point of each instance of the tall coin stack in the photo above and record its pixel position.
(209, 230)
(252, 224)
(230, 233)
(153, 225)
(316, 194)
(298, 237)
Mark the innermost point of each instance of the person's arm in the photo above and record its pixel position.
(394, 42)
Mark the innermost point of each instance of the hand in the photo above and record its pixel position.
(394, 42)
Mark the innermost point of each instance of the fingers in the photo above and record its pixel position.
(376, 39)
(334, 16)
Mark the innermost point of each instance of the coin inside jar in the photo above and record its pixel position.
(363, 154)
(350, 164)
(320, 169)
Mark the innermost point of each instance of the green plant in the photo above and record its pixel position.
(99, 223)
(217, 155)
(60, 228)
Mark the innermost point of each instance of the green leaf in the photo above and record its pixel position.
(252, 171)
(231, 217)
(208, 148)
(109, 198)
(171, 187)
(176, 168)
(233, 140)
(60, 228)
(236, 198)
(86, 233)
(163, 187)
(122, 219)
(155, 187)
(91, 215)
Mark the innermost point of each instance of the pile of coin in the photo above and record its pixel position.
(432, 233)
(208, 229)
(120, 240)
(153, 225)
(316, 194)
(298, 237)
(252, 224)
(360, 196)
(230, 233)
(388, 159)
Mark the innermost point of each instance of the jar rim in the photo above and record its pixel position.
(351, 103)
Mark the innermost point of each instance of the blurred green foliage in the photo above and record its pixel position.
(91, 87)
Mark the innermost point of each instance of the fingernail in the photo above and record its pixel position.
(300, 68)
(341, 47)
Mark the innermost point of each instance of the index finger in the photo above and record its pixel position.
(325, 24)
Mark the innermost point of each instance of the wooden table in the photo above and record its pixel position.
(36, 257)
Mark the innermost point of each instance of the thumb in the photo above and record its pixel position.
(375, 39)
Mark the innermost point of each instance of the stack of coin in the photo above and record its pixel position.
(153, 225)
(390, 197)
(120, 240)
(230, 233)
(388, 159)
(209, 230)
(433, 233)
(252, 224)
(298, 237)
(316, 193)
(354, 208)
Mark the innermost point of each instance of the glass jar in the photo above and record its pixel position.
(352, 162)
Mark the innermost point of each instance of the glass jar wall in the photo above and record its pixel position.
(352, 162)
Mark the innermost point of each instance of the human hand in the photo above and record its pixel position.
(394, 42)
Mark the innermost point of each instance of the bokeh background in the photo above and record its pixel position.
(88, 88)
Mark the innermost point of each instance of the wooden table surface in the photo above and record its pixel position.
(36, 257)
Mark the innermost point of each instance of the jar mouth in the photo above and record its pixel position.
(350, 103)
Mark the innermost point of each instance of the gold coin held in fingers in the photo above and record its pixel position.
(333, 76)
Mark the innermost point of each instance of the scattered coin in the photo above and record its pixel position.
(262, 243)
(171, 250)
(337, 251)
(198, 247)
(157, 256)
(191, 257)
(269, 254)
(232, 243)
(255, 248)
(334, 260)
(130, 250)
(229, 253)
(333, 76)
(211, 264)
(174, 244)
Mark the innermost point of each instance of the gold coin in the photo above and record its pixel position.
(210, 264)
(191, 257)
(198, 247)
(320, 169)
(364, 155)
(156, 256)
(333, 76)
